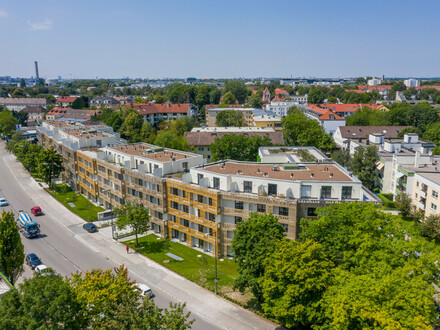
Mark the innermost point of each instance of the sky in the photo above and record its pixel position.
(220, 39)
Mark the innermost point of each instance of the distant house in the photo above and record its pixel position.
(34, 113)
(55, 113)
(328, 119)
(202, 138)
(281, 92)
(18, 104)
(65, 101)
(124, 99)
(154, 113)
(71, 114)
(106, 101)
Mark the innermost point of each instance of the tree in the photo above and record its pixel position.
(238, 89)
(41, 302)
(230, 118)
(203, 95)
(403, 204)
(432, 133)
(229, 98)
(114, 120)
(22, 83)
(399, 86)
(238, 147)
(402, 133)
(367, 117)
(131, 127)
(295, 278)
(254, 240)
(364, 165)
(50, 165)
(11, 248)
(78, 104)
(7, 122)
(298, 130)
(316, 95)
(430, 226)
(169, 139)
(214, 96)
(255, 101)
(21, 117)
(343, 158)
(135, 216)
(18, 92)
(148, 133)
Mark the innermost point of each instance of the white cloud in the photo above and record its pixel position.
(38, 26)
(3, 13)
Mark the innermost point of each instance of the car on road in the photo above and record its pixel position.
(144, 290)
(3, 202)
(36, 210)
(90, 227)
(32, 260)
(42, 269)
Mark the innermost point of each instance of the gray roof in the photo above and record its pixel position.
(356, 132)
(23, 101)
(30, 109)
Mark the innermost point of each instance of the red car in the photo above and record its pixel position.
(36, 210)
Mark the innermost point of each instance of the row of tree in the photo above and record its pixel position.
(353, 267)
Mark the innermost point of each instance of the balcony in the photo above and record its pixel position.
(422, 194)
(421, 205)
(236, 212)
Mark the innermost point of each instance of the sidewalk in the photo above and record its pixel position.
(202, 301)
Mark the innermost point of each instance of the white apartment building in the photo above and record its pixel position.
(279, 108)
(411, 82)
(374, 82)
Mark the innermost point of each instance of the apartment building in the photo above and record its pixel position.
(65, 101)
(154, 113)
(426, 189)
(193, 203)
(18, 104)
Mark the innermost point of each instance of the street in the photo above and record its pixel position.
(66, 247)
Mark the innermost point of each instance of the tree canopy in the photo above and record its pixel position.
(134, 216)
(230, 118)
(11, 248)
(364, 165)
(238, 147)
(238, 89)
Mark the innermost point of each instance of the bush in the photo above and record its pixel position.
(387, 200)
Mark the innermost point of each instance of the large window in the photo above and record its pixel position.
(326, 192)
(247, 186)
(434, 194)
(284, 211)
(238, 219)
(238, 205)
(306, 191)
(216, 183)
(261, 208)
(271, 189)
(311, 212)
(346, 192)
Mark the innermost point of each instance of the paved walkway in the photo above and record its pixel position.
(219, 310)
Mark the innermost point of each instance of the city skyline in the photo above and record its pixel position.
(205, 40)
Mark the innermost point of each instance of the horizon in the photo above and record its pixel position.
(200, 39)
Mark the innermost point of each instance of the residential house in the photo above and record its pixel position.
(154, 113)
(426, 189)
(18, 104)
(202, 138)
(104, 101)
(34, 114)
(65, 101)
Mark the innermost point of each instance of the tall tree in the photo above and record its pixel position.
(41, 302)
(295, 278)
(343, 158)
(230, 118)
(18, 92)
(135, 216)
(78, 104)
(364, 165)
(254, 240)
(50, 165)
(11, 248)
(7, 122)
(228, 98)
(22, 83)
(131, 127)
(238, 147)
(214, 96)
(238, 89)
(169, 139)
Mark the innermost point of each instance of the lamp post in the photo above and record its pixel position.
(215, 258)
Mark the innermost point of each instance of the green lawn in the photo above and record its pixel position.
(83, 207)
(199, 270)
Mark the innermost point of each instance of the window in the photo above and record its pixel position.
(271, 189)
(200, 149)
(101, 168)
(284, 211)
(216, 183)
(210, 201)
(209, 216)
(285, 226)
(247, 186)
(185, 208)
(434, 194)
(199, 178)
(261, 208)
(238, 205)
(174, 205)
(417, 183)
(311, 212)
(200, 198)
(326, 192)
(306, 191)
(199, 213)
(174, 191)
(346, 192)
(230, 234)
(185, 165)
(238, 219)
(433, 207)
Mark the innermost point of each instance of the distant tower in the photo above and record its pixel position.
(37, 76)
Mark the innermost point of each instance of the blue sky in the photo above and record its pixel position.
(172, 38)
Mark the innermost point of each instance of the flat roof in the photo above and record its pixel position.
(307, 172)
(84, 133)
(147, 151)
(431, 176)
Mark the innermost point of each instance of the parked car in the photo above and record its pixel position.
(90, 227)
(36, 210)
(3, 202)
(32, 260)
(144, 290)
(45, 271)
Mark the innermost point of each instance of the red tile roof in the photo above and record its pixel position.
(326, 116)
(147, 108)
(66, 99)
(377, 87)
(278, 98)
(280, 91)
(58, 111)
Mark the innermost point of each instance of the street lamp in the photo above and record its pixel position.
(215, 258)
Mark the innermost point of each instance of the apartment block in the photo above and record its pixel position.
(191, 202)
(426, 189)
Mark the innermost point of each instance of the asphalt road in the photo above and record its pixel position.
(63, 249)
